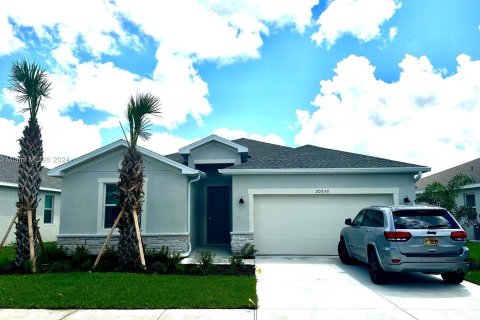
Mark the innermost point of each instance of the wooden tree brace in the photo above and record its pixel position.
(107, 240)
(30, 240)
(9, 229)
(139, 238)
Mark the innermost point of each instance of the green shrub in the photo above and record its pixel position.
(170, 260)
(236, 261)
(206, 260)
(109, 260)
(248, 251)
(81, 259)
(61, 266)
(158, 267)
(51, 253)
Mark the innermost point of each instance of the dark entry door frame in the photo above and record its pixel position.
(218, 214)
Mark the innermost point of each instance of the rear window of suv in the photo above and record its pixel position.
(423, 219)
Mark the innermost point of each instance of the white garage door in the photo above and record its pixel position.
(306, 224)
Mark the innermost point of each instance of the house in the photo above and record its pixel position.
(470, 194)
(216, 191)
(48, 210)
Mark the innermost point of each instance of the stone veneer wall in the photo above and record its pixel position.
(240, 239)
(176, 243)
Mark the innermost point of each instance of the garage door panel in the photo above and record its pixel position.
(306, 224)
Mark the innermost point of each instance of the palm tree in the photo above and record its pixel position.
(30, 84)
(131, 176)
(445, 196)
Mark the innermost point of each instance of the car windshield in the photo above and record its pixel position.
(423, 219)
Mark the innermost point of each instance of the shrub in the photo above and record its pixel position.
(248, 251)
(170, 260)
(81, 259)
(109, 261)
(236, 261)
(206, 260)
(52, 253)
(158, 267)
(61, 266)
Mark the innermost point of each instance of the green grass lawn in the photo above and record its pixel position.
(125, 291)
(474, 275)
(122, 290)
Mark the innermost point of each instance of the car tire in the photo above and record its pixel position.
(343, 253)
(377, 274)
(453, 277)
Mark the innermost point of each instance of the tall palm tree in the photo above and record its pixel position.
(131, 176)
(29, 81)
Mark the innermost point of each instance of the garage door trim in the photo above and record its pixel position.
(320, 191)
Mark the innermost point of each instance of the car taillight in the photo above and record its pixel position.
(398, 236)
(458, 235)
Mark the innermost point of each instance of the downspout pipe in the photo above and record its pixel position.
(418, 176)
(189, 211)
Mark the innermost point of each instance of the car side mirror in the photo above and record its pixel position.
(348, 222)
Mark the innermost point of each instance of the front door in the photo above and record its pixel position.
(218, 215)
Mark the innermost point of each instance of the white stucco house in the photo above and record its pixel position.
(216, 192)
(48, 210)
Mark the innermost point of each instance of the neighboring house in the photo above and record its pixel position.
(470, 195)
(217, 192)
(48, 210)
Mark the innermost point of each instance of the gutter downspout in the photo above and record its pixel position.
(418, 177)
(189, 209)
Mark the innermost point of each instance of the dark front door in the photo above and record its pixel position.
(218, 215)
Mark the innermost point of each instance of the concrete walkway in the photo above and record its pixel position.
(324, 288)
(41, 314)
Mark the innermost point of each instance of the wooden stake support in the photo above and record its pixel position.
(30, 238)
(9, 229)
(139, 237)
(107, 240)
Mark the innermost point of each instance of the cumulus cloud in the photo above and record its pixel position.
(359, 18)
(425, 117)
(232, 134)
(8, 42)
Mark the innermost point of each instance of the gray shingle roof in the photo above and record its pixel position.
(9, 173)
(309, 156)
(264, 155)
(471, 169)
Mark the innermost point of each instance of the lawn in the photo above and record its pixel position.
(116, 290)
(474, 275)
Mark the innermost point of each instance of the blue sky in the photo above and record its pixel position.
(395, 79)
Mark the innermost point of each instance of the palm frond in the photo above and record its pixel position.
(30, 83)
(138, 109)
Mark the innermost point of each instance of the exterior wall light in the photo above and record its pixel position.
(406, 200)
(241, 201)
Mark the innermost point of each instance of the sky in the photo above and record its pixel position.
(398, 79)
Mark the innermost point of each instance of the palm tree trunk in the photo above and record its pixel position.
(29, 169)
(131, 196)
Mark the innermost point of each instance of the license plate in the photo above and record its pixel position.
(430, 241)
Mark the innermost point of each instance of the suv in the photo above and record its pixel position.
(405, 239)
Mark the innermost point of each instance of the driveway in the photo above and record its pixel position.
(324, 288)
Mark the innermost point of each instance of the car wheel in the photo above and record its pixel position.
(377, 274)
(343, 253)
(453, 277)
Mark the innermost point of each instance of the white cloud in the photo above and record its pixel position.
(424, 118)
(8, 42)
(232, 134)
(359, 18)
(392, 33)
(165, 143)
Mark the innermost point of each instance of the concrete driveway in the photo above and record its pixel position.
(324, 288)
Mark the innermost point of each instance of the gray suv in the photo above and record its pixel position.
(405, 239)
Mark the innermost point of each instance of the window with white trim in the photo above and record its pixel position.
(111, 204)
(48, 209)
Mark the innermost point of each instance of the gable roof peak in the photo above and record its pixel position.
(213, 137)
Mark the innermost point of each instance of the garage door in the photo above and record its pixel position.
(306, 224)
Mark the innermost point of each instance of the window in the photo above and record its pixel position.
(470, 201)
(423, 219)
(48, 209)
(373, 218)
(357, 222)
(111, 204)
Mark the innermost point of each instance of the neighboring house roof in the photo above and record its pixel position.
(471, 169)
(212, 137)
(9, 175)
(59, 171)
